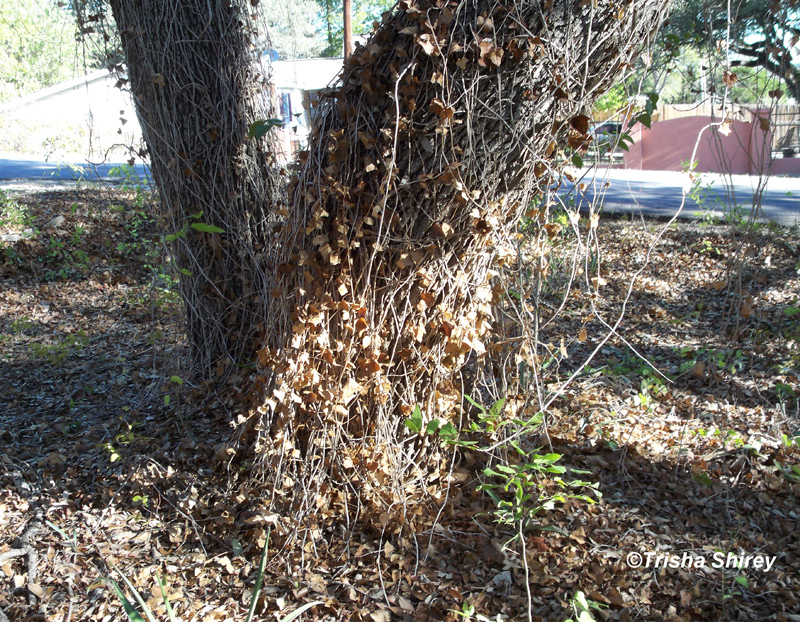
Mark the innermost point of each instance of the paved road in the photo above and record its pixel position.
(651, 193)
(15, 169)
(659, 193)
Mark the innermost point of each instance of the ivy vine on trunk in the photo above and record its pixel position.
(375, 284)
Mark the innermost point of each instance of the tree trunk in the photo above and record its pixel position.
(448, 123)
(195, 84)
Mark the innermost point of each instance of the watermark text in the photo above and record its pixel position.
(717, 560)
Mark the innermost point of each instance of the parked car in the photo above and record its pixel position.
(606, 134)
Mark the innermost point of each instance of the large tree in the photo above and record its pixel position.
(197, 86)
(762, 33)
(374, 284)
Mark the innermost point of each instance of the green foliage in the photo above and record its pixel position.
(294, 28)
(760, 35)
(613, 99)
(206, 228)
(521, 494)
(365, 12)
(37, 46)
(519, 483)
(12, 214)
(56, 353)
(645, 117)
(582, 608)
(260, 128)
(445, 430)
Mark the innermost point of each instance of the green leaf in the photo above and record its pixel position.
(448, 431)
(176, 379)
(414, 422)
(497, 407)
(205, 228)
(186, 272)
(298, 612)
(135, 593)
(133, 615)
(578, 161)
(162, 584)
(474, 403)
(260, 128)
(432, 426)
(506, 469)
(550, 457)
(743, 582)
(237, 547)
(166, 400)
(262, 564)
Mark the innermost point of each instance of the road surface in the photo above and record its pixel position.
(15, 169)
(660, 193)
(650, 193)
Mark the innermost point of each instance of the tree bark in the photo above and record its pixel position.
(448, 123)
(196, 86)
(377, 286)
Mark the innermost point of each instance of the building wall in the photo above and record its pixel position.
(668, 146)
(81, 118)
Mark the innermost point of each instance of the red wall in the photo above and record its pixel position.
(669, 144)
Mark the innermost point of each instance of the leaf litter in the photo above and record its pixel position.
(699, 463)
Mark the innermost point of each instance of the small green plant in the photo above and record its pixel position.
(522, 495)
(582, 608)
(22, 325)
(468, 611)
(792, 472)
(56, 353)
(113, 454)
(128, 436)
(12, 214)
(133, 182)
(71, 542)
(791, 441)
(444, 429)
(179, 382)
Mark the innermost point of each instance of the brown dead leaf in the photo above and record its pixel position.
(747, 307)
(553, 229)
(427, 43)
(580, 123)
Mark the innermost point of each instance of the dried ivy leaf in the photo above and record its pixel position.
(427, 43)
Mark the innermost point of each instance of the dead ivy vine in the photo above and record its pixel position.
(446, 125)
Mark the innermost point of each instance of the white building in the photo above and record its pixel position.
(85, 117)
(297, 83)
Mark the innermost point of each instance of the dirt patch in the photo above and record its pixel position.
(687, 421)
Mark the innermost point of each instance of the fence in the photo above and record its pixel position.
(784, 120)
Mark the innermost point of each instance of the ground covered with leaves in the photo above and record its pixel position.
(685, 420)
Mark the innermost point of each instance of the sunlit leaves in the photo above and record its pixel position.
(206, 228)
(414, 422)
(260, 128)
